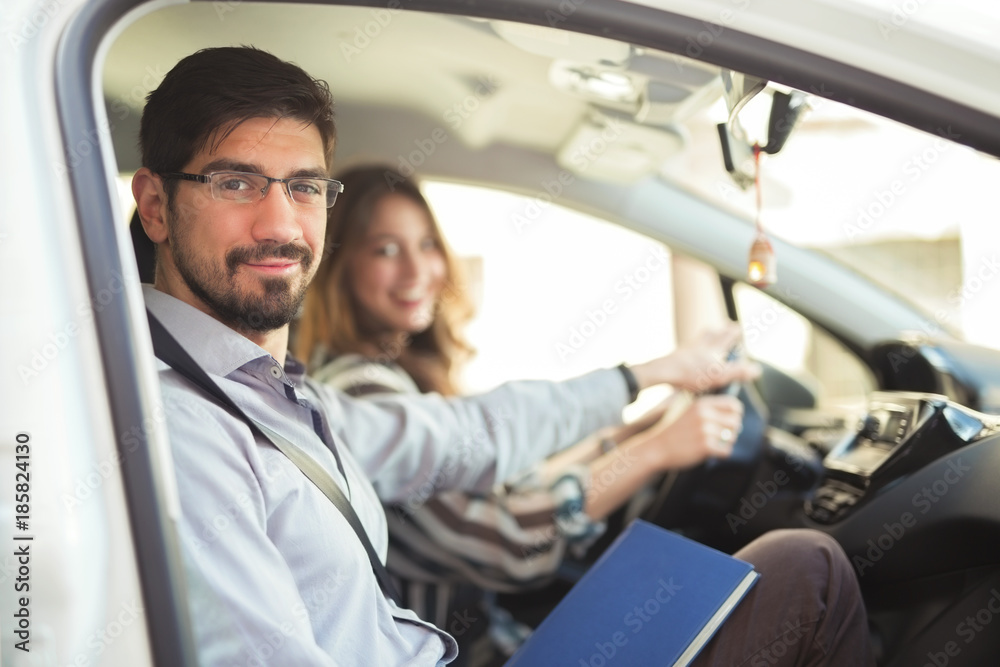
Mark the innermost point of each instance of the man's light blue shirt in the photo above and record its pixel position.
(276, 575)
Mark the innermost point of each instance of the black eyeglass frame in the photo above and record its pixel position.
(334, 186)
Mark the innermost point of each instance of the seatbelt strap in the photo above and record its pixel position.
(168, 350)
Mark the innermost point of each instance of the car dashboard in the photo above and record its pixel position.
(933, 399)
(964, 373)
(901, 433)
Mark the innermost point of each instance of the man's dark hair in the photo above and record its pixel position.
(207, 94)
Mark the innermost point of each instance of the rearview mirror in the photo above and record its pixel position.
(737, 90)
(737, 148)
(786, 109)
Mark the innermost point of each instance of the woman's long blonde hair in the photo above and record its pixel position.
(331, 319)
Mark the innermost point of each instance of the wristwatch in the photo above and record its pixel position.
(630, 382)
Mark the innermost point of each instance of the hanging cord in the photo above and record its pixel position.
(756, 185)
(761, 269)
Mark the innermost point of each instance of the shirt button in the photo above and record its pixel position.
(275, 371)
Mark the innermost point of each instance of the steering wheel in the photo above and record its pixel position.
(696, 500)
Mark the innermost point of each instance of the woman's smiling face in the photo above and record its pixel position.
(399, 269)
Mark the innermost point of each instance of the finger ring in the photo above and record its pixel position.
(726, 435)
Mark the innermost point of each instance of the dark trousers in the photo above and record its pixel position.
(805, 609)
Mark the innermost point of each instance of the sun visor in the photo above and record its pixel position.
(616, 150)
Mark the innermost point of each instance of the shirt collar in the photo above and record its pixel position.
(218, 349)
(294, 369)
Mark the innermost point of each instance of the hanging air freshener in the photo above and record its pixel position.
(762, 266)
(760, 269)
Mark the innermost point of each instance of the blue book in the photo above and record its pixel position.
(653, 598)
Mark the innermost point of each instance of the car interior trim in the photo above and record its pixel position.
(145, 484)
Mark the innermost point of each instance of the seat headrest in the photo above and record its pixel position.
(145, 250)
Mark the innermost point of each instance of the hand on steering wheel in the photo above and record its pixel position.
(736, 355)
(696, 429)
(700, 366)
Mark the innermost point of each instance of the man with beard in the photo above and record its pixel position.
(236, 151)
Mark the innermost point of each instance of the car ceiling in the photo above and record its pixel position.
(483, 82)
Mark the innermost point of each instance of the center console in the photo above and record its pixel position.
(900, 433)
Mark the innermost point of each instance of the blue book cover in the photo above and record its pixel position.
(653, 598)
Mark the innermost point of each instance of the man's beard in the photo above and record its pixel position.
(242, 310)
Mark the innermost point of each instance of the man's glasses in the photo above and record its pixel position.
(246, 188)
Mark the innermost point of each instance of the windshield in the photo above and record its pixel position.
(910, 210)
